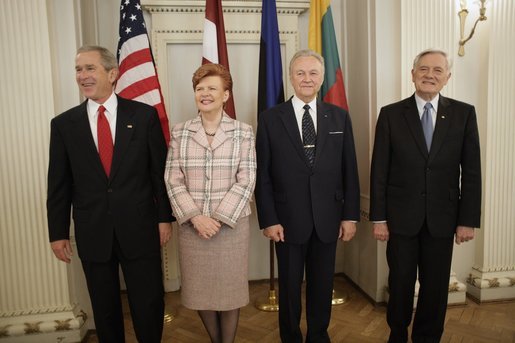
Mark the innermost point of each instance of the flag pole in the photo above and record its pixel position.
(339, 298)
(270, 304)
(270, 93)
(320, 35)
(133, 51)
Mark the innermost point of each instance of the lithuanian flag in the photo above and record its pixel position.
(323, 40)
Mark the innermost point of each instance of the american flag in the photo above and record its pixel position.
(138, 76)
(214, 45)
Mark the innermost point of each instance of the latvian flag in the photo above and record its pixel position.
(214, 46)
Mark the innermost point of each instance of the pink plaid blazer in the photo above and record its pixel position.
(215, 180)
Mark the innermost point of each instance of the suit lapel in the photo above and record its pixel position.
(124, 130)
(292, 129)
(413, 119)
(443, 121)
(85, 138)
(226, 126)
(322, 128)
(197, 132)
(198, 135)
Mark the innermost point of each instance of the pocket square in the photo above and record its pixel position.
(335, 132)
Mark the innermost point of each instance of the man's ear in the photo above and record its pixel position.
(113, 75)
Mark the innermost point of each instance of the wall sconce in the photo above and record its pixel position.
(463, 17)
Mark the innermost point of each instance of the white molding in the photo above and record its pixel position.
(62, 326)
(493, 274)
(456, 292)
(426, 24)
(40, 297)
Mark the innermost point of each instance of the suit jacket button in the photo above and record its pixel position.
(423, 194)
(109, 190)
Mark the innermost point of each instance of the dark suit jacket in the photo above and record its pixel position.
(291, 193)
(128, 204)
(408, 184)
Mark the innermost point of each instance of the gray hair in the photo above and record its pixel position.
(107, 59)
(307, 53)
(433, 51)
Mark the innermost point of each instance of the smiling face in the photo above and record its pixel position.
(306, 77)
(95, 82)
(430, 75)
(210, 95)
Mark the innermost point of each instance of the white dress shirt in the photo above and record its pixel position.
(421, 103)
(298, 107)
(111, 106)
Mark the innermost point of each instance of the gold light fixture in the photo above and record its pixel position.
(463, 18)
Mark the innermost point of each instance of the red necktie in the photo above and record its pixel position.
(105, 140)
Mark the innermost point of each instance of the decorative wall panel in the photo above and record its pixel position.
(426, 24)
(34, 288)
(493, 276)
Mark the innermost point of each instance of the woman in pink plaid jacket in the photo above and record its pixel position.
(210, 177)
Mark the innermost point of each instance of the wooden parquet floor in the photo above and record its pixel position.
(357, 320)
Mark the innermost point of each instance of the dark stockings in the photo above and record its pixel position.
(220, 325)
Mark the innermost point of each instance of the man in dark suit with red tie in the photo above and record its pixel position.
(307, 195)
(425, 190)
(107, 159)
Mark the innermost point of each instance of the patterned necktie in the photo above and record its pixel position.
(427, 124)
(105, 140)
(309, 136)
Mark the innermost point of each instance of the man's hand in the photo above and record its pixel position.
(347, 230)
(464, 234)
(381, 232)
(165, 233)
(275, 233)
(62, 250)
(206, 226)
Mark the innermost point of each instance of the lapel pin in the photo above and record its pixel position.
(443, 116)
(129, 126)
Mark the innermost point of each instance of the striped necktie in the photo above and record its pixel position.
(309, 136)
